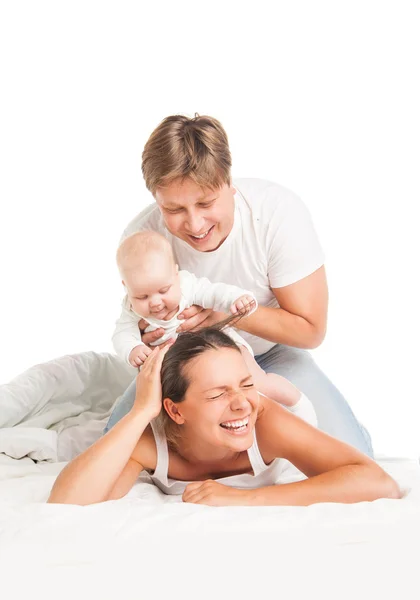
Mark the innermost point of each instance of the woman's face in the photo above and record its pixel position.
(221, 403)
(202, 218)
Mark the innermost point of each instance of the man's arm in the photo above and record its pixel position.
(301, 320)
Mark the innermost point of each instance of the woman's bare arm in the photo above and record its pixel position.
(92, 476)
(109, 468)
(336, 472)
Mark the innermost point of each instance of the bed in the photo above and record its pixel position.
(149, 543)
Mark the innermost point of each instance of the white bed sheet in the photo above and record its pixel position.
(151, 543)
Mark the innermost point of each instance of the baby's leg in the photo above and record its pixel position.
(272, 385)
(280, 389)
(305, 410)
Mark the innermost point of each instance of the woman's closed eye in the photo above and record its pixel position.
(215, 397)
(248, 385)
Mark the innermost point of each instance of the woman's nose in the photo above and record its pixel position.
(238, 401)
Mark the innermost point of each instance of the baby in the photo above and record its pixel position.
(157, 291)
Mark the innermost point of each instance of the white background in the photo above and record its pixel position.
(322, 97)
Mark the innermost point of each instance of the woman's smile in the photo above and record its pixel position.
(237, 427)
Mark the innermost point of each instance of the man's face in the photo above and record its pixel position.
(201, 217)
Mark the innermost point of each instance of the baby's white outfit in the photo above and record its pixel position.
(279, 471)
(194, 290)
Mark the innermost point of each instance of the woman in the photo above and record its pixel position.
(217, 441)
(251, 233)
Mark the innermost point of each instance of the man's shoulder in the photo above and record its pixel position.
(149, 218)
(264, 197)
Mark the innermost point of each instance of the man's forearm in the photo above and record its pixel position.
(279, 326)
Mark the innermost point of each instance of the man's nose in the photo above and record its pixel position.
(195, 223)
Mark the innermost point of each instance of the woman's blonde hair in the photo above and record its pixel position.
(181, 147)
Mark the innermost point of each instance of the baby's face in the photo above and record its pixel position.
(154, 291)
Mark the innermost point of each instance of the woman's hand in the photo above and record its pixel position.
(212, 493)
(148, 383)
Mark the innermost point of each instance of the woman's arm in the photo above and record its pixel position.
(336, 471)
(91, 477)
(109, 468)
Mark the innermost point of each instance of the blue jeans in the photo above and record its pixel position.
(334, 414)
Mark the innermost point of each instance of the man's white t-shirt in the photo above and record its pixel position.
(272, 244)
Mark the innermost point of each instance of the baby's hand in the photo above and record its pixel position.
(138, 355)
(242, 305)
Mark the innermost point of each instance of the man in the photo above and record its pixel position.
(251, 233)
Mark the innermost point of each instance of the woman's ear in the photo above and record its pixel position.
(172, 410)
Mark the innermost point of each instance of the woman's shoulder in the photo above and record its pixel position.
(271, 419)
(145, 452)
(266, 407)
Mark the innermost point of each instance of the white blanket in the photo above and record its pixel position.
(155, 542)
(55, 410)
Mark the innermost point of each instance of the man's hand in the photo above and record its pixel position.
(197, 317)
(152, 336)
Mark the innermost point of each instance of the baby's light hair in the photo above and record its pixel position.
(134, 249)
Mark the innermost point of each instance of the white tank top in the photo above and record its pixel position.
(279, 471)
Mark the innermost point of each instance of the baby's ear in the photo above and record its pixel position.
(123, 282)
